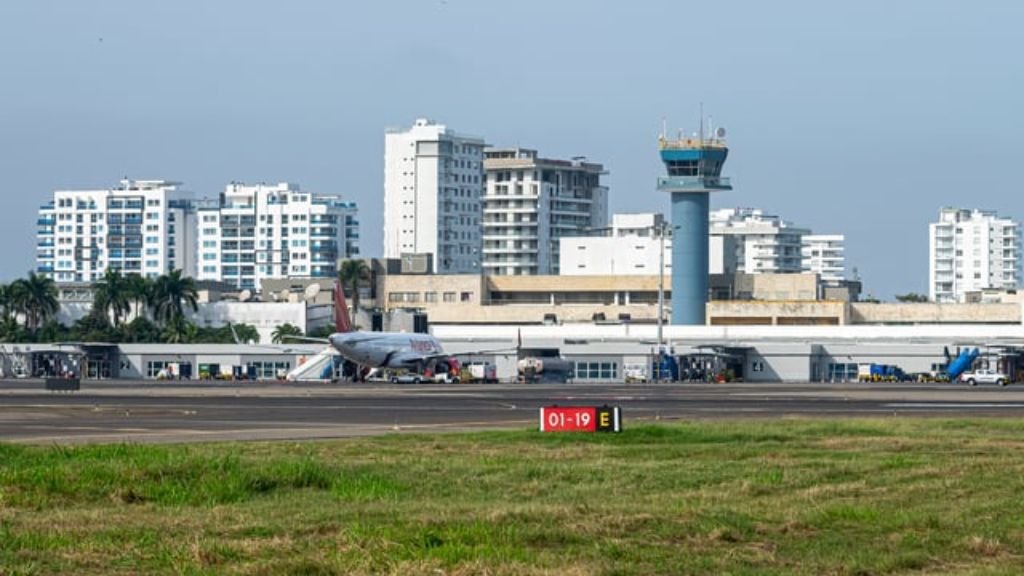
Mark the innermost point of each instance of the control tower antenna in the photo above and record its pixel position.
(702, 123)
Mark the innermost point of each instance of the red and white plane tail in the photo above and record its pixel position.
(341, 317)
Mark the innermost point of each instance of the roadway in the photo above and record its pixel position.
(120, 411)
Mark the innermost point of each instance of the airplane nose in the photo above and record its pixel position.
(339, 342)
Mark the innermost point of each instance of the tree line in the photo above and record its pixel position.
(156, 306)
(134, 308)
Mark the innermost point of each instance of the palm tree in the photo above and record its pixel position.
(140, 291)
(352, 274)
(35, 297)
(284, 332)
(111, 293)
(171, 292)
(10, 330)
(247, 333)
(179, 330)
(6, 303)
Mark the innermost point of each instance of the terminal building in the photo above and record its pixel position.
(759, 327)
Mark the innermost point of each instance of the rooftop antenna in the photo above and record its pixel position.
(702, 123)
(664, 128)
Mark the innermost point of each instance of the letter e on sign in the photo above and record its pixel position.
(609, 419)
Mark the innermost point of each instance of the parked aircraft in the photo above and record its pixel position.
(393, 350)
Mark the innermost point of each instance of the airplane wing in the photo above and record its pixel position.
(308, 339)
(476, 352)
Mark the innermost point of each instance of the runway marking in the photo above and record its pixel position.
(951, 405)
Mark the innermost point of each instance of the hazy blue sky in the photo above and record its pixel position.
(860, 118)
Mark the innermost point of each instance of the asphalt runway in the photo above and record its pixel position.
(148, 411)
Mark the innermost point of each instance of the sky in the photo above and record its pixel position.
(859, 118)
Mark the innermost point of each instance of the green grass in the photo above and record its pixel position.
(780, 497)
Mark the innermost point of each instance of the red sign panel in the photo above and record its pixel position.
(580, 419)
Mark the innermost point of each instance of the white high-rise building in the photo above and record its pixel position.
(971, 250)
(433, 180)
(762, 243)
(143, 227)
(631, 247)
(825, 255)
(530, 203)
(742, 240)
(256, 232)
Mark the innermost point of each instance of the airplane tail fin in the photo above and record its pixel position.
(341, 317)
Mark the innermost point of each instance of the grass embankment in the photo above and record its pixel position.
(811, 497)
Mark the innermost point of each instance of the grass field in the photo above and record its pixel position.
(780, 497)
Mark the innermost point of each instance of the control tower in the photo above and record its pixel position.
(694, 167)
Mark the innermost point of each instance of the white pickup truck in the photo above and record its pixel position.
(985, 376)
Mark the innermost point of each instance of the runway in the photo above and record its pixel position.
(148, 411)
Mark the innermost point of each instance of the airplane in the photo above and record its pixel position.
(393, 350)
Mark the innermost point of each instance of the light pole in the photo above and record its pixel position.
(660, 227)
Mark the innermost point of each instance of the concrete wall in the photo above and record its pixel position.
(264, 316)
(779, 362)
(780, 286)
(755, 312)
(932, 313)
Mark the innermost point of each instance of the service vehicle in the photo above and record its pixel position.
(985, 376)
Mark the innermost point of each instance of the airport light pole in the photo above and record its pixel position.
(660, 227)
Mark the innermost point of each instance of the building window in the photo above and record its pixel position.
(465, 296)
(153, 368)
(449, 297)
(596, 371)
(430, 297)
(270, 370)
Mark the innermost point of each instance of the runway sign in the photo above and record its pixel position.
(580, 419)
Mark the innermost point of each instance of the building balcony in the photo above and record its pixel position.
(509, 209)
(48, 243)
(46, 221)
(44, 268)
(508, 234)
(497, 224)
(510, 250)
(504, 262)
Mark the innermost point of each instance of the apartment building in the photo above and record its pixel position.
(270, 231)
(824, 255)
(530, 203)
(433, 181)
(762, 243)
(971, 251)
(142, 226)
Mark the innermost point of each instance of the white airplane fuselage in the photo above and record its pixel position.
(387, 349)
